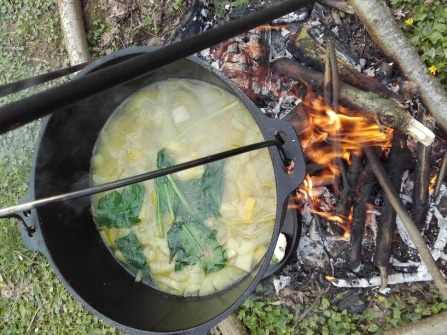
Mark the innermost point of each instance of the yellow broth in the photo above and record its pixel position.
(190, 119)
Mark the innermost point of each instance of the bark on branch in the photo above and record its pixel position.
(381, 25)
(389, 113)
(74, 33)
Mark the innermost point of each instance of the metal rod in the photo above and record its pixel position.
(40, 79)
(9, 211)
(26, 110)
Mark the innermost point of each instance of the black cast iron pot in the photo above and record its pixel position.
(66, 234)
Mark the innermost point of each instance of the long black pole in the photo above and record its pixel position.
(9, 211)
(19, 85)
(26, 110)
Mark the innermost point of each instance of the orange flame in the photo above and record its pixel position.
(328, 137)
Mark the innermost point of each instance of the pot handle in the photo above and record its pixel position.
(287, 180)
(29, 229)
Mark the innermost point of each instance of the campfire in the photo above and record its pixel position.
(351, 232)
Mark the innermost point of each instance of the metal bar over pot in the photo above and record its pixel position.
(26, 110)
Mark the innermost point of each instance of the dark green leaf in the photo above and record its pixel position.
(120, 209)
(130, 247)
(195, 243)
(185, 200)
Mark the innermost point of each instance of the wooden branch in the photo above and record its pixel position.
(340, 5)
(381, 25)
(398, 162)
(302, 46)
(422, 179)
(74, 33)
(231, 326)
(411, 228)
(389, 113)
(441, 175)
(433, 325)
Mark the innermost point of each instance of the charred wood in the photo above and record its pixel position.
(350, 182)
(441, 175)
(365, 186)
(399, 160)
(389, 113)
(422, 179)
(304, 48)
(411, 228)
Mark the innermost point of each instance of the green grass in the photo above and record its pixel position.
(33, 300)
(425, 25)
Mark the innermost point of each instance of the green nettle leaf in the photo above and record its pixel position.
(130, 247)
(195, 243)
(189, 203)
(120, 209)
(199, 198)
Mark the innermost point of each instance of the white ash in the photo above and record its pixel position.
(371, 219)
(311, 252)
(395, 278)
(442, 192)
(421, 273)
(281, 283)
(292, 17)
(403, 233)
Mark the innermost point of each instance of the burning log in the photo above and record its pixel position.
(398, 162)
(302, 46)
(389, 113)
(388, 36)
(411, 228)
(422, 179)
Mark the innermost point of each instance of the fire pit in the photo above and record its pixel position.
(349, 225)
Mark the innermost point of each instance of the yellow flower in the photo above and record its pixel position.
(409, 21)
(381, 298)
(432, 69)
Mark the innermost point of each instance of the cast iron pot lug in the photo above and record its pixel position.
(66, 234)
(29, 229)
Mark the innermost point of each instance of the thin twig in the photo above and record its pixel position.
(441, 175)
(311, 307)
(34, 316)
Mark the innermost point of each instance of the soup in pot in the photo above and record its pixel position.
(199, 230)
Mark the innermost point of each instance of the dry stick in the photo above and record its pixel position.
(398, 162)
(334, 75)
(386, 33)
(327, 94)
(389, 113)
(422, 178)
(311, 307)
(74, 33)
(441, 175)
(433, 325)
(304, 48)
(232, 326)
(327, 85)
(340, 5)
(411, 228)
